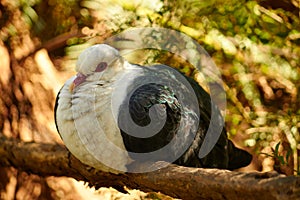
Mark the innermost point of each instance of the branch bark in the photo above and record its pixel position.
(176, 181)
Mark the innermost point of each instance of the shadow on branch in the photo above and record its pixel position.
(177, 181)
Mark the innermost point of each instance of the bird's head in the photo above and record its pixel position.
(95, 61)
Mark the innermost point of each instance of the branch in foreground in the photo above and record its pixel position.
(176, 181)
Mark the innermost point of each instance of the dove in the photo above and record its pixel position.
(113, 114)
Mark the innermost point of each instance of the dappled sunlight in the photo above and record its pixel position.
(255, 46)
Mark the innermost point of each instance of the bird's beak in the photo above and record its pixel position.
(72, 86)
(80, 78)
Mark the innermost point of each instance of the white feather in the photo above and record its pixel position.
(84, 117)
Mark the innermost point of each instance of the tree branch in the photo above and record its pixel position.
(176, 181)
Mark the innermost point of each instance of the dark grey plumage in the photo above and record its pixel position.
(91, 117)
(224, 155)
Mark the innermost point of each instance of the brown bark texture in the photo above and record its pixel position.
(177, 181)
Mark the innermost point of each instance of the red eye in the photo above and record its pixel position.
(101, 66)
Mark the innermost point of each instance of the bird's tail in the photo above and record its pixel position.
(237, 157)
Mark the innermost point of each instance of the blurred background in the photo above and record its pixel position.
(255, 44)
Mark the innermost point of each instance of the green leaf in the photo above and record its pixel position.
(288, 155)
(276, 149)
(281, 159)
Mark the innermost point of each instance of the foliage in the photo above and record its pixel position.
(257, 49)
(282, 160)
(258, 52)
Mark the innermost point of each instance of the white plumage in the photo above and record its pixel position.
(105, 115)
(83, 111)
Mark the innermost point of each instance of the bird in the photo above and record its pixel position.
(117, 117)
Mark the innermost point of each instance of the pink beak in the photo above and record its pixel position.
(80, 78)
